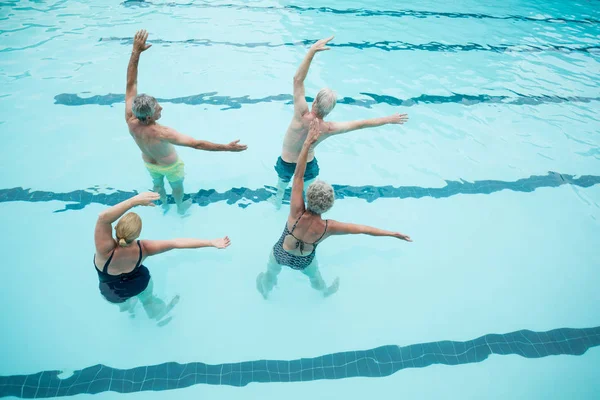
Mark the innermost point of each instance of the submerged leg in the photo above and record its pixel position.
(277, 200)
(182, 206)
(317, 282)
(155, 307)
(159, 187)
(129, 306)
(265, 281)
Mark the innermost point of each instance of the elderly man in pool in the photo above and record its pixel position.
(298, 128)
(156, 141)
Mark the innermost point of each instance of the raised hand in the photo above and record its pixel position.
(146, 199)
(139, 41)
(320, 45)
(314, 132)
(221, 243)
(402, 236)
(398, 118)
(235, 146)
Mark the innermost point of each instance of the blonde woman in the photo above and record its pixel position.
(297, 245)
(118, 261)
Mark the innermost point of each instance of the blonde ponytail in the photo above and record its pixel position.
(128, 229)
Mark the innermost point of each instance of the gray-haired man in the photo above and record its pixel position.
(156, 141)
(298, 129)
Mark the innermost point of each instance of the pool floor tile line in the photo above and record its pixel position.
(232, 103)
(385, 45)
(374, 363)
(243, 197)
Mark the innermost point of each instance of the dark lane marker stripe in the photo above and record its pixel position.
(361, 12)
(374, 363)
(212, 98)
(382, 45)
(243, 197)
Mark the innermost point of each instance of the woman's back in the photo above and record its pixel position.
(122, 259)
(304, 233)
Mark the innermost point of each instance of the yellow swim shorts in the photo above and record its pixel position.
(174, 172)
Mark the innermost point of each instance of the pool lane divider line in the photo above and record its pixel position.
(373, 363)
(244, 197)
(372, 99)
(385, 45)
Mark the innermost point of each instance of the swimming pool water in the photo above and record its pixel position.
(496, 177)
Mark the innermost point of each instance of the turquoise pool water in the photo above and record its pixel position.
(496, 177)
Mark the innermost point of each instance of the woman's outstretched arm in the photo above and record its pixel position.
(153, 247)
(342, 228)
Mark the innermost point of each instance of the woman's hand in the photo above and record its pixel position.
(397, 119)
(321, 45)
(221, 243)
(146, 199)
(314, 132)
(402, 236)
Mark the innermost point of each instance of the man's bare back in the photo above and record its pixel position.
(155, 150)
(296, 135)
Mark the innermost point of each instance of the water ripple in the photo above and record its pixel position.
(24, 27)
(362, 12)
(10, 49)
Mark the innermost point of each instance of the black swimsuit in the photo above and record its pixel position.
(119, 288)
(293, 261)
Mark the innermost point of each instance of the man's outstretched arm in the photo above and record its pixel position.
(172, 136)
(335, 128)
(139, 45)
(300, 105)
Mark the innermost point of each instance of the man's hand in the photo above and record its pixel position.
(320, 45)
(139, 41)
(398, 118)
(221, 243)
(236, 146)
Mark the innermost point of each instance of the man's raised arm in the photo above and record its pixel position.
(300, 105)
(139, 45)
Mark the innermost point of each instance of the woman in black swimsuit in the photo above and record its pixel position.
(123, 278)
(297, 245)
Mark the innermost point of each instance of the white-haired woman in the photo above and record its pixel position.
(118, 261)
(305, 228)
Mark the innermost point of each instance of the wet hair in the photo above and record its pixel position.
(324, 102)
(143, 107)
(128, 229)
(319, 197)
